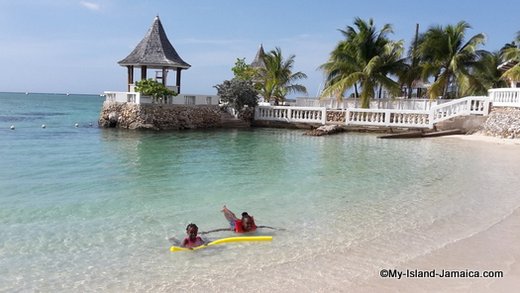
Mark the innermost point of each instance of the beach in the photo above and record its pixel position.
(494, 249)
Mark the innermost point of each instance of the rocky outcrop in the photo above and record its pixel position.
(159, 117)
(502, 122)
(324, 130)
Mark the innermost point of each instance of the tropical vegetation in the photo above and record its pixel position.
(366, 61)
(511, 52)
(237, 94)
(365, 58)
(243, 71)
(153, 88)
(276, 79)
(444, 60)
(449, 59)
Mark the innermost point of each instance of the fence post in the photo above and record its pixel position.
(430, 118)
(387, 117)
(347, 115)
(289, 115)
(487, 106)
(324, 116)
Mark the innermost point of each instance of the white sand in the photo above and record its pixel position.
(483, 138)
(495, 249)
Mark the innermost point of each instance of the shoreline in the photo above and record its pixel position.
(494, 249)
(484, 138)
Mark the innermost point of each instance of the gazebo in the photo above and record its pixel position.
(155, 52)
(258, 62)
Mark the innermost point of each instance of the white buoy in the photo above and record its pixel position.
(12, 127)
(43, 126)
(76, 125)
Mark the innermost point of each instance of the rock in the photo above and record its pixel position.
(152, 116)
(324, 130)
(503, 123)
(113, 118)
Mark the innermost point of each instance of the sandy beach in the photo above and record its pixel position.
(484, 138)
(494, 249)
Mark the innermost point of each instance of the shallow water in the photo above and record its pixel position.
(89, 209)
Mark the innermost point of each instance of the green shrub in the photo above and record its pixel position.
(150, 87)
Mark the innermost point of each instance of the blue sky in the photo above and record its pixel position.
(73, 46)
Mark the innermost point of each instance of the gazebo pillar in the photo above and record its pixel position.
(164, 72)
(178, 82)
(143, 72)
(130, 76)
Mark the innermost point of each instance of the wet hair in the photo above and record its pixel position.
(191, 225)
(245, 215)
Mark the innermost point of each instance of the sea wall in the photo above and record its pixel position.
(159, 117)
(502, 122)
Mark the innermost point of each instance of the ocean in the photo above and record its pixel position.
(85, 209)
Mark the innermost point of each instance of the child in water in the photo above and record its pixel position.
(245, 224)
(192, 240)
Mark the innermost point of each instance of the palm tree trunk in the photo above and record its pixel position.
(445, 90)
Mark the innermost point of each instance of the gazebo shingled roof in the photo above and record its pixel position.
(259, 58)
(155, 51)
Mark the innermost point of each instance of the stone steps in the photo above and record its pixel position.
(228, 121)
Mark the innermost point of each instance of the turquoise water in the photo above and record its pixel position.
(90, 209)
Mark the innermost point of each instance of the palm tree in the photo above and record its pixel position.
(447, 58)
(366, 57)
(342, 63)
(277, 79)
(512, 52)
(412, 69)
(486, 74)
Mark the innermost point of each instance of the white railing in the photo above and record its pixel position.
(123, 97)
(387, 117)
(376, 117)
(291, 114)
(397, 103)
(460, 107)
(181, 99)
(505, 97)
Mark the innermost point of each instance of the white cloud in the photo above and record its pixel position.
(90, 5)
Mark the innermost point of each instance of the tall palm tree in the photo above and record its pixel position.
(277, 79)
(366, 57)
(447, 58)
(512, 52)
(412, 69)
(342, 62)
